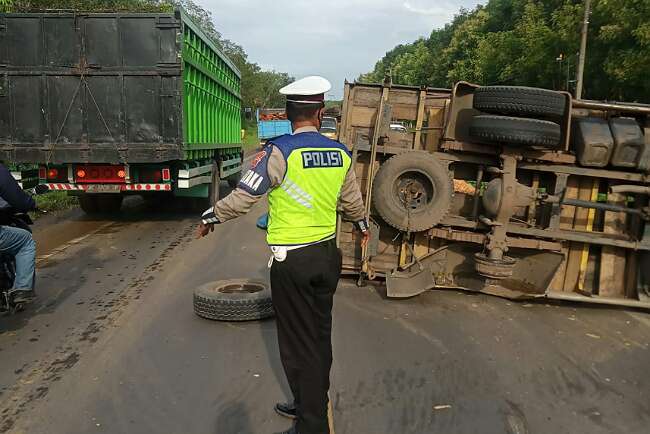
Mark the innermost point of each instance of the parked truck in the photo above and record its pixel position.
(272, 122)
(513, 191)
(113, 104)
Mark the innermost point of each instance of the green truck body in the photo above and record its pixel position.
(118, 103)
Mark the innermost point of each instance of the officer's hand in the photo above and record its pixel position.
(203, 230)
(365, 239)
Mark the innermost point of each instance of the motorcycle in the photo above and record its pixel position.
(7, 262)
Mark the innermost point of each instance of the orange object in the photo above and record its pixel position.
(52, 174)
(464, 187)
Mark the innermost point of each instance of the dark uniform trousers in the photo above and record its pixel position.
(303, 287)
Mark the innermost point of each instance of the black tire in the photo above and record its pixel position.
(502, 130)
(100, 203)
(520, 101)
(233, 300)
(88, 204)
(109, 203)
(423, 172)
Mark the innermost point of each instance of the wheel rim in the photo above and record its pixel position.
(413, 190)
(240, 287)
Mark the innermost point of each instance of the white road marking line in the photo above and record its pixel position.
(42, 258)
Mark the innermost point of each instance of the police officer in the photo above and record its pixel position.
(307, 178)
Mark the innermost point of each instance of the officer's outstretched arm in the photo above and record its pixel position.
(267, 170)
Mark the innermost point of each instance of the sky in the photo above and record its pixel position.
(338, 39)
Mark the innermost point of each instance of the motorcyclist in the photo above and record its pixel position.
(15, 241)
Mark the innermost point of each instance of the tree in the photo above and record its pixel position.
(518, 42)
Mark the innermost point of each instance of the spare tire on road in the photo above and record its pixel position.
(233, 300)
(503, 130)
(520, 101)
(412, 191)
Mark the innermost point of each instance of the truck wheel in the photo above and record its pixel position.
(88, 204)
(100, 203)
(415, 180)
(233, 300)
(109, 203)
(520, 101)
(502, 130)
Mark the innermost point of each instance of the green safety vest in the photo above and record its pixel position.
(302, 210)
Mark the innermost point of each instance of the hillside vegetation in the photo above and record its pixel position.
(534, 43)
(259, 88)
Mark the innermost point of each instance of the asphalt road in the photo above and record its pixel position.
(113, 346)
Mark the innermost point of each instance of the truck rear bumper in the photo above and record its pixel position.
(123, 188)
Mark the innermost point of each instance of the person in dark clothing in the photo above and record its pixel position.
(15, 241)
(307, 178)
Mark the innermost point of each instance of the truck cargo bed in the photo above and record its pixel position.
(109, 88)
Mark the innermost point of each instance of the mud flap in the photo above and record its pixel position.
(405, 284)
(416, 277)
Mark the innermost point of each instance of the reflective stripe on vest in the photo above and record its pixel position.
(303, 209)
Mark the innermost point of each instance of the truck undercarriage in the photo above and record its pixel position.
(516, 192)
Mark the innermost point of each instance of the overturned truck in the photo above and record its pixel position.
(513, 191)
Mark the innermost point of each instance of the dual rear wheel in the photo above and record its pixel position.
(100, 203)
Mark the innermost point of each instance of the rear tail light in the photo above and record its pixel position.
(166, 175)
(153, 176)
(100, 174)
(42, 173)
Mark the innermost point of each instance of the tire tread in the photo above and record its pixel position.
(520, 101)
(210, 303)
(515, 131)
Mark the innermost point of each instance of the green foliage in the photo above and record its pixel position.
(332, 104)
(534, 43)
(55, 201)
(251, 141)
(86, 5)
(259, 88)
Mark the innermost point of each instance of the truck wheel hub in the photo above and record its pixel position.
(414, 190)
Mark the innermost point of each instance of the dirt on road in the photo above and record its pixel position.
(113, 346)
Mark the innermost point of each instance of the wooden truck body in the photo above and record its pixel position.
(484, 211)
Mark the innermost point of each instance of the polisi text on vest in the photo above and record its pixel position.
(313, 159)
